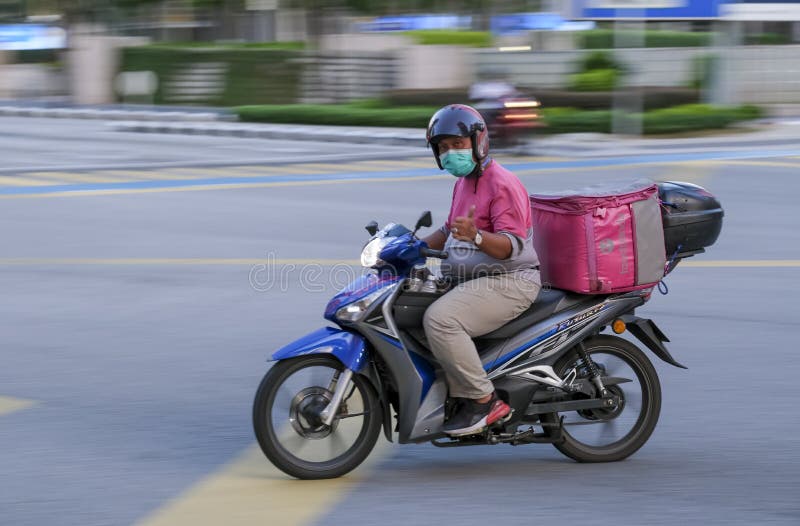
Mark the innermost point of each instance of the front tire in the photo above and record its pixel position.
(285, 419)
(607, 352)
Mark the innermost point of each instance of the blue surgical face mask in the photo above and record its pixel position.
(458, 162)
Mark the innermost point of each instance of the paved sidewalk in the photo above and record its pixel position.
(61, 110)
(349, 134)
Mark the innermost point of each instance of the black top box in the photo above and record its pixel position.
(692, 218)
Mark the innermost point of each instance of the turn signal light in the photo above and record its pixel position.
(618, 326)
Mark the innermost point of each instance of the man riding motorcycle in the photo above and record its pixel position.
(489, 236)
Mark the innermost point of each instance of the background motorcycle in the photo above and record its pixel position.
(319, 410)
(511, 120)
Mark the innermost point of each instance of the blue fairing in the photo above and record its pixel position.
(348, 347)
(401, 255)
(359, 288)
(423, 366)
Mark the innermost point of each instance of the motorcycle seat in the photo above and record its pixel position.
(548, 302)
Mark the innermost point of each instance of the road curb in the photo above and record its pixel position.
(113, 114)
(567, 145)
(262, 131)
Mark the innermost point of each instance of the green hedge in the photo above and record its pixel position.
(604, 38)
(425, 97)
(37, 56)
(652, 98)
(595, 80)
(680, 119)
(691, 117)
(290, 46)
(599, 59)
(435, 37)
(695, 117)
(254, 75)
(568, 120)
(767, 39)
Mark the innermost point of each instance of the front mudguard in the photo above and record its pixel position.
(348, 347)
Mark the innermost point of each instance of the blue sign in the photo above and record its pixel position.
(520, 22)
(30, 36)
(416, 22)
(646, 9)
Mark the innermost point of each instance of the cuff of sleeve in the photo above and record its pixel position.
(516, 243)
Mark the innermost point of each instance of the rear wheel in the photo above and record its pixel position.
(608, 435)
(288, 426)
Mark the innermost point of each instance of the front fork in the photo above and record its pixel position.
(339, 385)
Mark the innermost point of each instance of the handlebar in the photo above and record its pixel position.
(431, 253)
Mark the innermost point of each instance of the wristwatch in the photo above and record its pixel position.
(478, 238)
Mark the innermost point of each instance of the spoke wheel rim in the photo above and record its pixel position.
(607, 429)
(298, 430)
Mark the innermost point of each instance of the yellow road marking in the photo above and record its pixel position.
(177, 261)
(343, 168)
(269, 171)
(744, 162)
(143, 175)
(747, 263)
(251, 491)
(530, 159)
(9, 405)
(536, 171)
(70, 177)
(13, 180)
(333, 168)
(398, 164)
(283, 169)
(697, 172)
(227, 186)
(207, 173)
(308, 170)
(305, 169)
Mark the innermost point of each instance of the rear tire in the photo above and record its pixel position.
(269, 421)
(629, 354)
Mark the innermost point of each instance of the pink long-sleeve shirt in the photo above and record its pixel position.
(502, 206)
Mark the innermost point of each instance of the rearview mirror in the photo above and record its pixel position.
(426, 220)
(372, 227)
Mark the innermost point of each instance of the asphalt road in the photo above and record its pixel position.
(132, 341)
(35, 144)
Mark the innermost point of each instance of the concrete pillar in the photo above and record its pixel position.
(4, 89)
(727, 37)
(93, 62)
(435, 67)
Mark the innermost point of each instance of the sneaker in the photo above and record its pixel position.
(471, 417)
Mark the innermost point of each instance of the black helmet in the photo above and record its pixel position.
(458, 120)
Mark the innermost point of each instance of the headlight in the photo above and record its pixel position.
(354, 311)
(369, 256)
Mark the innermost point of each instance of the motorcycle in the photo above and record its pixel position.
(511, 120)
(595, 396)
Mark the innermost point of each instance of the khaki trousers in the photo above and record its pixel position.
(472, 309)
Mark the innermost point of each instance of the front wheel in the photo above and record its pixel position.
(286, 418)
(608, 435)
